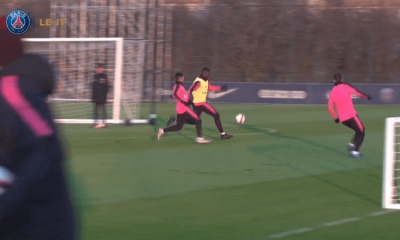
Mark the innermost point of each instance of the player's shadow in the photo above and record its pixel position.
(213, 130)
(163, 122)
(303, 140)
(205, 135)
(262, 151)
(278, 135)
(192, 128)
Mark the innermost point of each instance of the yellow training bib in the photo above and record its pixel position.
(200, 95)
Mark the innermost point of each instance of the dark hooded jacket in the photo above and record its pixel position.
(100, 88)
(36, 205)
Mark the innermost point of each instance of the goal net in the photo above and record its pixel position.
(75, 61)
(391, 173)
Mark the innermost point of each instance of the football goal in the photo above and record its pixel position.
(75, 60)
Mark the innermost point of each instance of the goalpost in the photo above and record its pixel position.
(391, 167)
(74, 61)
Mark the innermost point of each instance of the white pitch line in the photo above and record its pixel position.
(343, 221)
(296, 231)
(347, 220)
(244, 134)
(105, 130)
(268, 129)
(375, 214)
(115, 130)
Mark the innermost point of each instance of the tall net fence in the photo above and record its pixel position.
(135, 21)
(252, 40)
(289, 41)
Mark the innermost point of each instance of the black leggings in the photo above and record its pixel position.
(210, 111)
(96, 110)
(356, 124)
(186, 117)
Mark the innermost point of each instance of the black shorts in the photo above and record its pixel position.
(205, 108)
(188, 115)
(355, 124)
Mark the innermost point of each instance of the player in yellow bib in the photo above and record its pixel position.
(199, 90)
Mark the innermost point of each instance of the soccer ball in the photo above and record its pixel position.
(240, 118)
(6, 178)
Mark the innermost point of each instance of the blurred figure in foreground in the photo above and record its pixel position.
(35, 204)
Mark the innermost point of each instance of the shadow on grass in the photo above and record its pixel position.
(319, 178)
(163, 122)
(191, 128)
(307, 141)
(264, 152)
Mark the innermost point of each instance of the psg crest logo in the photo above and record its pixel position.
(387, 95)
(18, 22)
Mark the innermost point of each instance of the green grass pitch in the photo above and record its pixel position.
(296, 183)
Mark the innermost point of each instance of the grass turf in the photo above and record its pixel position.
(256, 185)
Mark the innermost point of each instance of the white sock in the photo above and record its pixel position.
(351, 144)
(223, 133)
(355, 152)
(162, 130)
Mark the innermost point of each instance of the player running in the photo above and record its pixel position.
(341, 98)
(199, 89)
(183, 111)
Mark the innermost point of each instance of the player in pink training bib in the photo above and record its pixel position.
(340, 97)
(185, 114)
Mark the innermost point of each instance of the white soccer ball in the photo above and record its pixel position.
(240, 118)
(6, 178)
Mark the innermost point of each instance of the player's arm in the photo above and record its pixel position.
(107, 84)
(93, 83)
(33, 168)
(94, 86)
(355, 91)
(214, 88)
(194, 87)
(180, 95)
(217, 88)
(331, 103)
